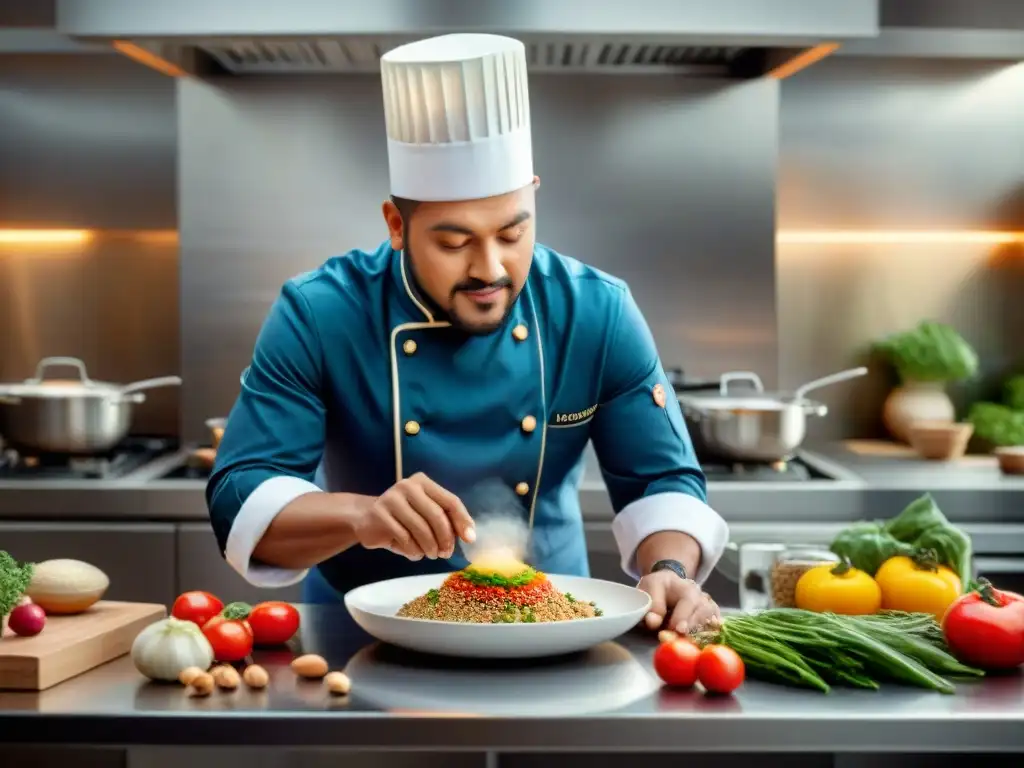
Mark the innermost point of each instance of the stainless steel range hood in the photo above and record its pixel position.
(740, 38)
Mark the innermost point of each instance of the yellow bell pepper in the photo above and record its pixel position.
(838, 589)
(918, 584)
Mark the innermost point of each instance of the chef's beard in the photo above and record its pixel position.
(452, 316)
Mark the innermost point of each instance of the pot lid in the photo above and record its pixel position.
(41, 386)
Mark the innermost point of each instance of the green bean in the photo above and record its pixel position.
(935, 659)
(856, 679)
(893, 662)
(772, 668)
(769, 645)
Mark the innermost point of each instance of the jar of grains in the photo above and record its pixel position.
(789, 566)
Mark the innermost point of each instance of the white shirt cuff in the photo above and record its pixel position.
(671, 511)
(252, 521)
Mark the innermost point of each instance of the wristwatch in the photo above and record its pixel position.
(671, 565)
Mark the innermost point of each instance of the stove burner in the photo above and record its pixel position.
(129, 455)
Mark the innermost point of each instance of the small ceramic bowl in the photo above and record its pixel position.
(940, 440)
(1011, 459)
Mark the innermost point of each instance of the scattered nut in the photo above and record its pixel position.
(338, 683)
(255, 676)
(226, 677)
(667, 636)
(187, 675)
(201, 685)
(310, 666)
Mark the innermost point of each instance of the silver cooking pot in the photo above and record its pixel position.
(757, 426)
(79, 416)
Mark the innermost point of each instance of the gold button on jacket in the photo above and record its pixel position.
(412, 428)
(519, 333)
(529, 424)
(409, 347)
(522, 488)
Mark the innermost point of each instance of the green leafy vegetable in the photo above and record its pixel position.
(868, 545)
(433, 596)
(998, 424)
(14, 580)
(920, 526)
(1013, 393)
(930, 352)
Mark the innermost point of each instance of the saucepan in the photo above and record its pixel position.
(78, 416)
(754, 426)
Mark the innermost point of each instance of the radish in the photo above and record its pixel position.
(27, 620)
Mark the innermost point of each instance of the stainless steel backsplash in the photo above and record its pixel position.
(89, 142)
(668, 183)
(881, 145)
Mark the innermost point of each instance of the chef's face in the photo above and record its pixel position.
(471, 258)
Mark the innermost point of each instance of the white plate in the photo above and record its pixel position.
(373, 607)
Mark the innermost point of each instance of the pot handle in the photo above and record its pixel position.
(138, 386)
(53, 362)
(727, 378)
(9, 400)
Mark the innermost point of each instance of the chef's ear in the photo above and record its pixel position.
(536, 182)
(393, 219)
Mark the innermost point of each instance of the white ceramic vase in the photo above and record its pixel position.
(916, 401)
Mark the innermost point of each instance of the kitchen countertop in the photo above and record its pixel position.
(871, 487)
(607, 698)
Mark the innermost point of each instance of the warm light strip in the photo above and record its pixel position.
(20, 236)
(871, 237)
(803, 61)
(149, 59)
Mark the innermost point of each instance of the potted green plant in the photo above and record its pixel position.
(926, 359)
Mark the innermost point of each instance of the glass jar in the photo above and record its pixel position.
(789, 565)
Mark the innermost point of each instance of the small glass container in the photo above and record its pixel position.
(789, 566)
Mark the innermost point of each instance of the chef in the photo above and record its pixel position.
(386, 384)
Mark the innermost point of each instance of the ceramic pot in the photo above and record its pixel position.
(916, 401)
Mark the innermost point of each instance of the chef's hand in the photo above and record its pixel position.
(416, 518)
(678, 604)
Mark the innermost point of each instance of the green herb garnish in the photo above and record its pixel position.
(482, 579)
(570, 598)
(433, 596)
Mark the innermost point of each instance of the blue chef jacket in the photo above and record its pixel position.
(354, 384)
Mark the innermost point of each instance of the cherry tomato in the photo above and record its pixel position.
(197, 607)
(273, 623)
(676, 663)
(231, 640)
(720, 669)
(985, 628)
(220, 618)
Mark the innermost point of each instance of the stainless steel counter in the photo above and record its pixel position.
(606, 699)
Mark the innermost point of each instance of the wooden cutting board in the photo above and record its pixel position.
(71, 645)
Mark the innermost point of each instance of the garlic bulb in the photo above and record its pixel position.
(163, 649)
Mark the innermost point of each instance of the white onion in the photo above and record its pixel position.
(167, 647)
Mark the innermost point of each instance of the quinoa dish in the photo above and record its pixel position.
(483, 594)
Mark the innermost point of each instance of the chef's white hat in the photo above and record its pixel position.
(457, 112)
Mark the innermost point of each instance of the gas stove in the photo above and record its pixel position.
(793, 471)
(128, 456)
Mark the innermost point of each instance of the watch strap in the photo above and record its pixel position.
(671, 565)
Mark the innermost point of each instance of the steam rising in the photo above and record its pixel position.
(502, 531)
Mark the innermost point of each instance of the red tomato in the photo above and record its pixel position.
(220, 618)
(197, 607)
(676, 663)
(985, 628)
(273, 623)
(231, 640)
(720, 669)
